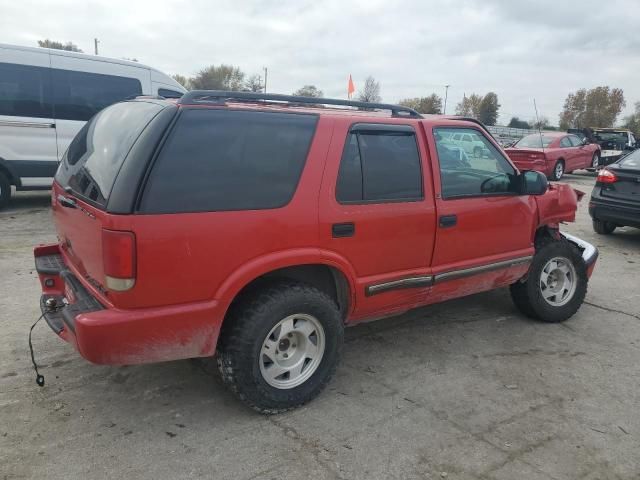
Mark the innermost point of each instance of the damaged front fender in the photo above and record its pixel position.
(558, 204)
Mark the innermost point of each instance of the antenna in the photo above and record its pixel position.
(538, 122)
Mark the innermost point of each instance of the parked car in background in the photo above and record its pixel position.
(554, 154)
(258, 226)
(46, 96)
(613, 142)
(615, 200)
(466, 142)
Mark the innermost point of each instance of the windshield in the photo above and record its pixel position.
(616, 136)
(534, 141)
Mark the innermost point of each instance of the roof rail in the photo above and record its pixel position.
(221, 96)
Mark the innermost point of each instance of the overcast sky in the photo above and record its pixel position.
(518, 49)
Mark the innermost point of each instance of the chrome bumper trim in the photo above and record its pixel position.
(589, 252)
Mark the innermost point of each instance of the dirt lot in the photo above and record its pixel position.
(467, 389)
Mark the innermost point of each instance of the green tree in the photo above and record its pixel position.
(429, 105)
(221, 77)
(371, 91)
(69, 46)
(309, 91)
(488, 110)
(517, 123)
(469, 106)
(182, 80)
(597, 107)
(254, 84)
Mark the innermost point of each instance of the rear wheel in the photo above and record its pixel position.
(556, 284)
(5, 190)
(280, 346)
(558, 171)
(602, 227)
(595, 161)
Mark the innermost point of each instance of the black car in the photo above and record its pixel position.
(615, 200)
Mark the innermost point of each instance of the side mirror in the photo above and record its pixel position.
(534, 183)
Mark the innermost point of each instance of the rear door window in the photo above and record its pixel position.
(216, 160)
(80, 95)
(25, 91)
(379, 166)
(94, 157)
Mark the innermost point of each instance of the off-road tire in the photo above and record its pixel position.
(603, 228)
(527, 294)
(5, 190)
(246, 328)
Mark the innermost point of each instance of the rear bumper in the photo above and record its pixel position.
(106, 335)
(589, 252)
(620, 213)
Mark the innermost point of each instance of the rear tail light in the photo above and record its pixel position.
(606, 176)
(119, 259)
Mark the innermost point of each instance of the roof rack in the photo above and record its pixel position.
(220, 96)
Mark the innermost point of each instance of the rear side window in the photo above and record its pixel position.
(379, 166)
(218, 160)
(94, 157)
(25, 91)
(80, 95)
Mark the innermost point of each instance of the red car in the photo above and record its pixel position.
(554, 154)
(258, 226)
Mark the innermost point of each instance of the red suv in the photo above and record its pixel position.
(258, 226)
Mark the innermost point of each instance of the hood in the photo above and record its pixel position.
(558, 204)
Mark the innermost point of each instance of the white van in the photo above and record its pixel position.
(47, 95)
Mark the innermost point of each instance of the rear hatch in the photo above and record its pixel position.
(627, 184)
(84, 182)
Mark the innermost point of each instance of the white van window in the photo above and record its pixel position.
(80, 95)
(25, 91)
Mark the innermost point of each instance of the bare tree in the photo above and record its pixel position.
(371, 91)
(182, 80)
(254, 84)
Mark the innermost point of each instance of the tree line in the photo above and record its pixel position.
(595, 107)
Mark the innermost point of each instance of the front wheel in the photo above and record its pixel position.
(556, 284)
(280, 346)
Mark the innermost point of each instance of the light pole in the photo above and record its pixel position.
(446, 94)
(265, 79)
(95, 44)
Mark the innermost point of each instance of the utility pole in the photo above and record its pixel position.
(265, 79)
(446, 94)
(95, 43)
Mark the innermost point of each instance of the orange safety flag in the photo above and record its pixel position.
(350, 88)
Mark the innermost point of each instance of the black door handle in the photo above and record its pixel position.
(447, 221)
(340, 230)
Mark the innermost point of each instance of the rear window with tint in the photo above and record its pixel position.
(95, 155)
(229, 160)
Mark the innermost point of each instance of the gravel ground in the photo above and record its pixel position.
(468, 389)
